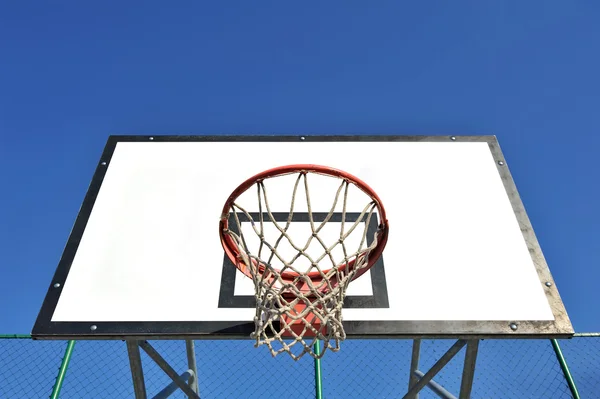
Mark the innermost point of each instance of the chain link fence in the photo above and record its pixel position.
(362, 369)
(582, 353)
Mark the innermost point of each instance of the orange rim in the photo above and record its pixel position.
(233, 251)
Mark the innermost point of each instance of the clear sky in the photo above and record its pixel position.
(71, 73)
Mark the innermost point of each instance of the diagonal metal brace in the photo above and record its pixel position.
(172, 387)
(454, 349)
(162, 363)
(435, 387)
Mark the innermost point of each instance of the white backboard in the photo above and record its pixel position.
(144, 257)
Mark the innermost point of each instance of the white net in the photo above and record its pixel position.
(301, 263)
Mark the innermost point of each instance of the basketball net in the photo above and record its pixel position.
(298, 307)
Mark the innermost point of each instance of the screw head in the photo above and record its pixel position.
(93, 327)
(56, 285)
(103, 163)
(302, 138)
(453, 138)
(548, 284)
(513, 326)
(150, 138)
(500, 163)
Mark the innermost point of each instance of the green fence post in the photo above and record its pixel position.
(60, 378)
(318, 381)
(565, 369)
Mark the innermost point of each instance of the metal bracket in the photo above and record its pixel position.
(418, 380)
(187, 382)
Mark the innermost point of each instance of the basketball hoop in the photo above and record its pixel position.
(292, 302)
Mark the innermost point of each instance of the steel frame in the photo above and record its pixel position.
(187, 381)
(418, 380)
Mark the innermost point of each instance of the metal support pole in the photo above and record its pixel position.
(191, 358)
(565, 369)
(62, 371)
(162, 363)
(414, 365)
(172, 387)
(435, 387)
(454, 349)
(137, 373)
(469, 369)
(318, 380)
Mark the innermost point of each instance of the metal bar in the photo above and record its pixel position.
(172, 387)
(586, 335)
(565, 369)
(469, 369)
(318, 376)
(414, 365)
(435, 387)
(15, 336)
(162, 363)
(454, 349)
(191, 358)
(137, 372)
(62, 371)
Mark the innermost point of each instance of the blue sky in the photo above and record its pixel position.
(71, 73)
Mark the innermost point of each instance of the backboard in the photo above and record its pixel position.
(144, 258)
